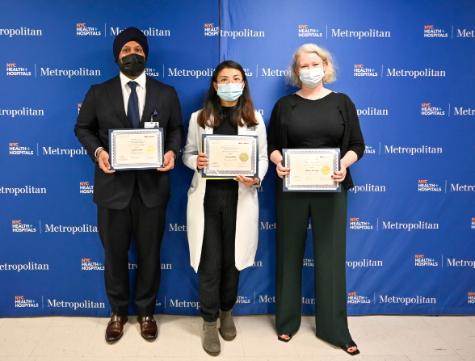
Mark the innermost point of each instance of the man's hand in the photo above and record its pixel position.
(103, 162)
(168, 161)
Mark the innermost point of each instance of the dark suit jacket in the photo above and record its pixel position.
(103, 109)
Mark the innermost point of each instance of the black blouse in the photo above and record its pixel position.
(329, 122)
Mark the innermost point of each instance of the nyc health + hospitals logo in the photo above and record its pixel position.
(471, 298)
(361, 70)
(23, 302)
(16, 149)
(424, 185)
(358, 224)
(427, 109)
(86, 188)
(353, 298)
(473, 223)
(305, 31)
(15, 70)
(421, 260)
(430, 31)
(18, 226)
(83, 30)
(209, 29)
(87, 264)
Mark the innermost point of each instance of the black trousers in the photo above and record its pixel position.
(327, 212)
(218, 276)
(116, 229)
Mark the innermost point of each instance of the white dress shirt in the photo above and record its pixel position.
(140, 91)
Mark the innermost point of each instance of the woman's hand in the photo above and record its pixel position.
(247, 181)
(281, 170)
(339, 175)
(201, 161)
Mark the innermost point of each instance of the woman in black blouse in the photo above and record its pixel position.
(314, 117)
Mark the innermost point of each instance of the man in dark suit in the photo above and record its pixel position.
(131, 203)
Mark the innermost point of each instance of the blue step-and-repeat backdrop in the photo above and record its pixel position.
(408, 66)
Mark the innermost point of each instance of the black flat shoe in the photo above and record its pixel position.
(349, 345)
(284, 339)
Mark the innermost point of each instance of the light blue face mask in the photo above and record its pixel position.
(230, 92)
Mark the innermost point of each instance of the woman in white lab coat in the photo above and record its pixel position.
(222, 215)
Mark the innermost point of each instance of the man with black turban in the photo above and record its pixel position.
(131, 204)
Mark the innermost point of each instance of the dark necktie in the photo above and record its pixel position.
(133, 106)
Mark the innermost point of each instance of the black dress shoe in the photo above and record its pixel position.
(148, 327)
(115, 328)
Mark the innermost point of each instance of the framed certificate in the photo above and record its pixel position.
(136, 148)
(230, 155)
(311, 169)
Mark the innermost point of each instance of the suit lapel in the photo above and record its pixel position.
(150, 94)
(117, 101)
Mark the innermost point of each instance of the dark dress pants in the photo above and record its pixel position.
(327, 212)
(116, 229)
(218, 276)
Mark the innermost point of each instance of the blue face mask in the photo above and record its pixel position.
(230, 92)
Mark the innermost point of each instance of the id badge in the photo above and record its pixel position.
(151, 125)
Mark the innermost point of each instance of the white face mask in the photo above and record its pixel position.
(311, 77)
(230, 92)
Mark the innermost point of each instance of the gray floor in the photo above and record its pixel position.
(380, 338)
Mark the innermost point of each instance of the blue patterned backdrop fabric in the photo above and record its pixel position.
(408, 67)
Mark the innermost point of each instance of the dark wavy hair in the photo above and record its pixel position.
(244, 114)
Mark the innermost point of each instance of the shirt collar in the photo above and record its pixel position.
(140, 80)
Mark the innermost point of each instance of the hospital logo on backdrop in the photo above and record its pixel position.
(415, 73)
(210, 30)
(412, 150)
(23, 302)
(15, 148)
(407, 300)
(368, 188)
(372, 112)
(19, 227)
(305, 31)
(364, 263)
(15, 70)
(21, 31)
(183, 304)
(460, 263)
(463, 111)
(410, 226)
(458, 187)
(353, 298)
(473, 223)
(24, 267)
(149, 32)
(358, 224)
(87, 264)
(75, 304)
(359, 34)
(22, 112)
(86, 188)
(23, 190)
(370, 150)
(471, 298)
(83, 30)
(465, 33)
(421, 260)
(424, 185)
(360, 70)
(427, 109)
(430, 31)
(152, 72)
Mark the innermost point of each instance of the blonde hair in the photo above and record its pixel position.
(330, 73)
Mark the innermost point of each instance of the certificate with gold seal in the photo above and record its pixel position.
(136, 148)
(311, 169)
(230, 155)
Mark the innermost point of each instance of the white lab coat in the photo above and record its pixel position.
(247, 219)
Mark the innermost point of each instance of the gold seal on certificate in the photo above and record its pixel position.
(230, 155)
(311, 169)
(136, 148)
